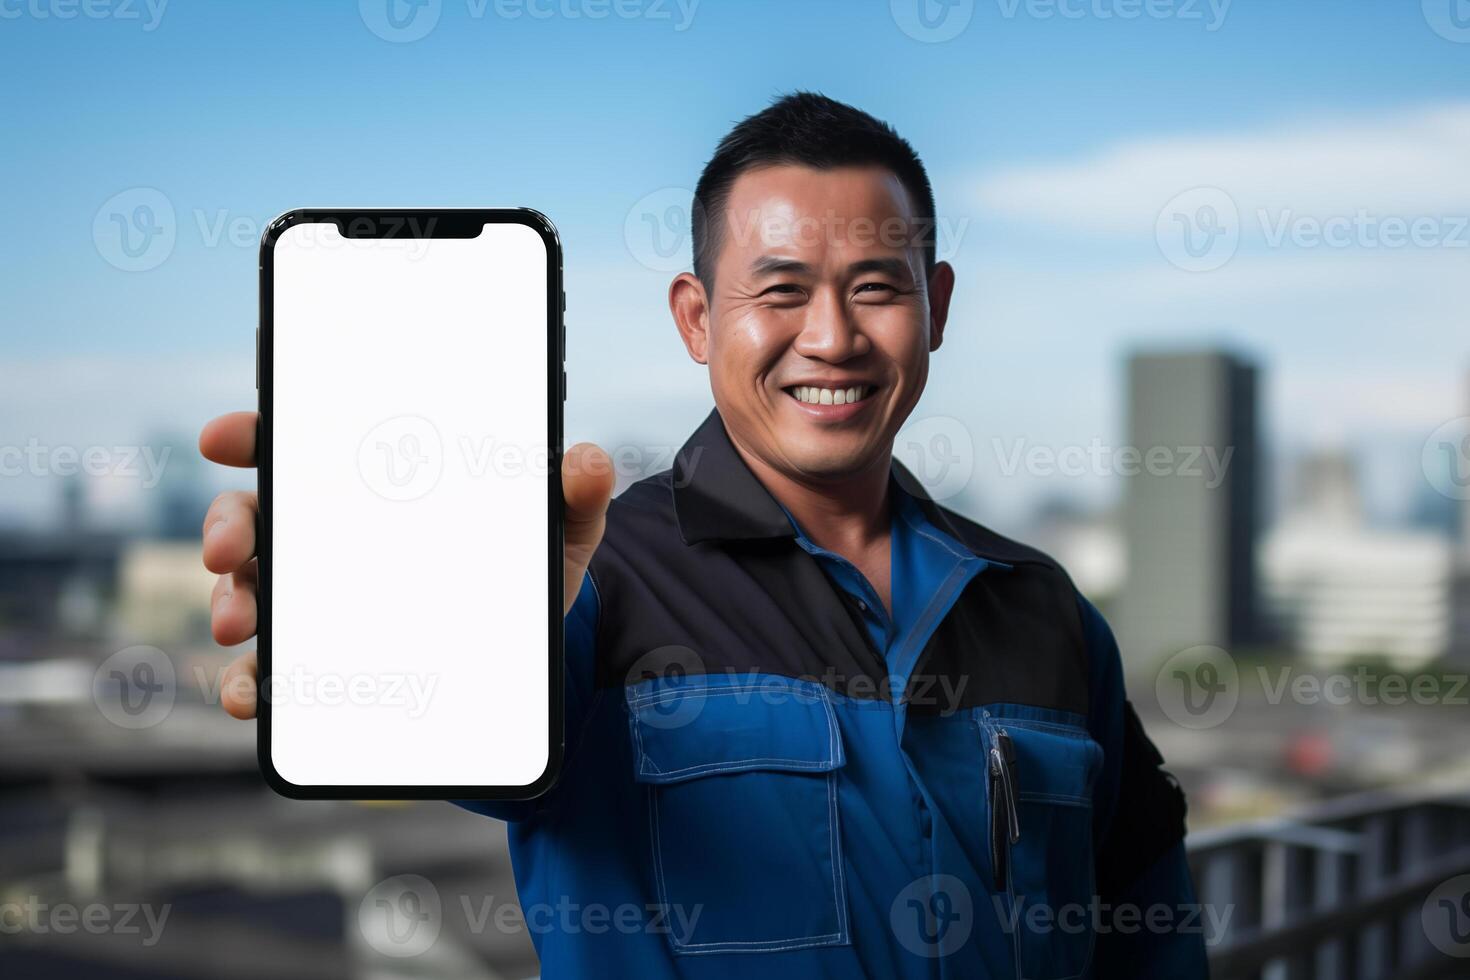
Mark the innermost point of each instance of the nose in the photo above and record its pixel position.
(828, 333)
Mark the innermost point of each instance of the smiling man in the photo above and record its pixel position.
(817, 725)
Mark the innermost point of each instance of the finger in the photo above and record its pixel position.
(230, 439)
(229, 531)
(237, 688)
(232, 607)
(587, 485)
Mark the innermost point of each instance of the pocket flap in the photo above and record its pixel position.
(1054, 762)
(687, 727)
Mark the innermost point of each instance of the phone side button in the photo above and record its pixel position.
(563, 384)
(257, 358)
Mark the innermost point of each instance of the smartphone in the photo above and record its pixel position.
(411, 381)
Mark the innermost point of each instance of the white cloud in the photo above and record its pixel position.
(1405, 164)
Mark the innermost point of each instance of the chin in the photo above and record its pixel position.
(829, 462)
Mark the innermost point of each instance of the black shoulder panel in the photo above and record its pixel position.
(1016, 634)
(750, 606)
(1151, 813)
(762, 605)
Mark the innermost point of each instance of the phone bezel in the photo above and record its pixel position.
(407, 223)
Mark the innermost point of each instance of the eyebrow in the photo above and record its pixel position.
(772, 265)
(897, 268)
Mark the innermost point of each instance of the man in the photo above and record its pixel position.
(817, 725)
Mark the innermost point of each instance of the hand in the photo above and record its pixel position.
(229, 542)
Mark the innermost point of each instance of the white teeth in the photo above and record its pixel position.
(831, 396)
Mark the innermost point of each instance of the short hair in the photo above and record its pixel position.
(808, 129)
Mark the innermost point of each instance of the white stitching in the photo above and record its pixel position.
(646, 762)
(988, 722)
(834, 853)
(1057, 799)
(658, 848)
(941, 542)
(740, 765)
(660, 696)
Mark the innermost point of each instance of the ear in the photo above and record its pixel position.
(941, 290)
(689, 305)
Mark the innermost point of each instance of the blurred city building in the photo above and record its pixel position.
(1337, 589)
(1190, 504)
(1460, 641)
(1087, 542)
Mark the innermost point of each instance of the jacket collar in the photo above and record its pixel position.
(718, 498)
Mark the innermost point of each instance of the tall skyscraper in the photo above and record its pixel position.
(1463, 470)
(1190, 508)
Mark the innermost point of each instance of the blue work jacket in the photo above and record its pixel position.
(769, 773)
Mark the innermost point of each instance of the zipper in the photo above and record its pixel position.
(1005, 820)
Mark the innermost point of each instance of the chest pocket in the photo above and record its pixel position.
(1039, 778)
(743, 820)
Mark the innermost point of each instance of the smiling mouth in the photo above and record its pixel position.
(812, 395)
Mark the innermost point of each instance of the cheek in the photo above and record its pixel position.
(900, 341)
(750, 340)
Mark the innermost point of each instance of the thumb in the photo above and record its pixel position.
(586, 486)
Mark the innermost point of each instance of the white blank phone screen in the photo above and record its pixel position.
(409, 544)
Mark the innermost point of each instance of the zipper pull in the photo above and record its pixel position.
(999, 832)
(1005, 820)
(1003, 760)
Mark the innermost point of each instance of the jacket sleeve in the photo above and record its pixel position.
(580, 656)
(1152, 924)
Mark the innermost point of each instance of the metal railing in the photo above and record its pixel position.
(1353, 889)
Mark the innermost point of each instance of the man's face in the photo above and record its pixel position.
(820, 322)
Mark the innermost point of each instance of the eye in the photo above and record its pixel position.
(782, 289)
(876, 289)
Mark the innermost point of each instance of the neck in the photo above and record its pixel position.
(846, 516)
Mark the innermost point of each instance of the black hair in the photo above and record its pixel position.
(811, 130)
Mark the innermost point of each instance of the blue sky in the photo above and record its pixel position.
(1056, 133)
